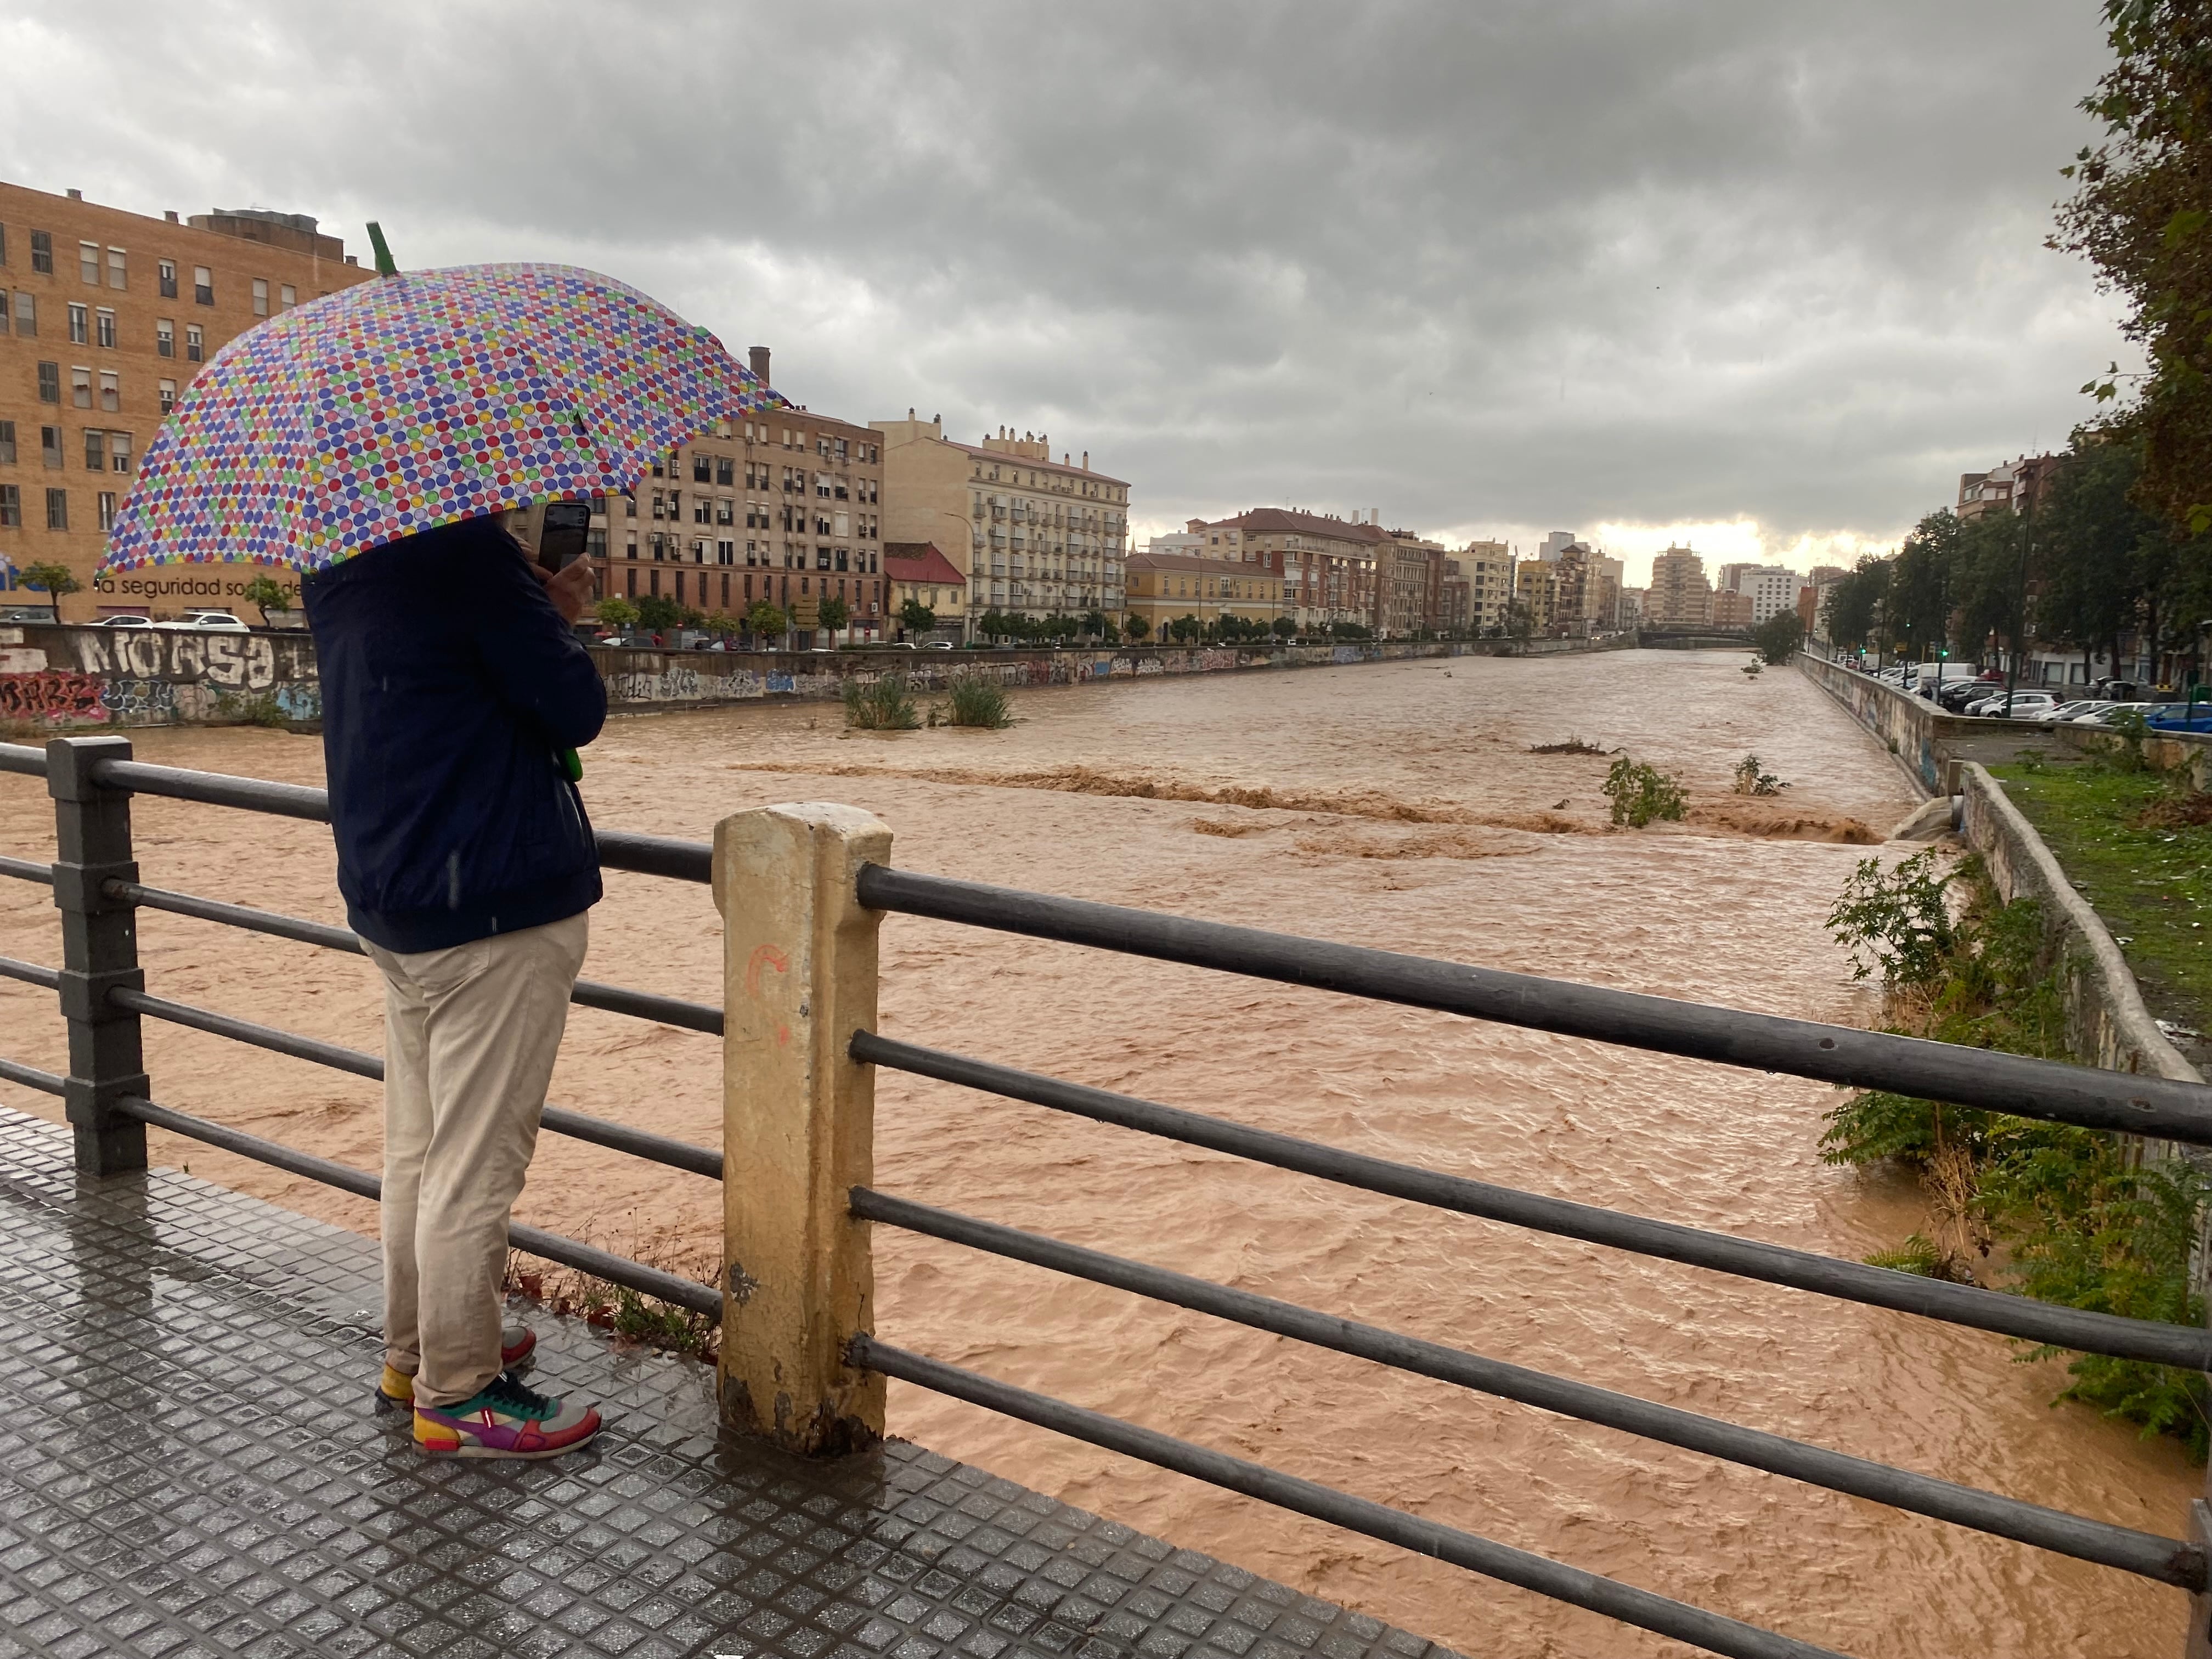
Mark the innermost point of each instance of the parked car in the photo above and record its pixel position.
(26, 613)
(937, 645)
(123, 622)
(2023, 706)
(206, 621)
(2078, 709)
(2111, 712)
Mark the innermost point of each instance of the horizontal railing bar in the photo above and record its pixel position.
(25, 870)
(22, 758)
(589, 993)
(553, 1247)
(640, 1143)
(1775, 1264)
(1712, 1631)
(30, 973)
(619, 850)
(2146, 1554)
(2084, 1095)
(30, 1077)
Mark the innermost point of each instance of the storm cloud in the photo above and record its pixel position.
(1770, 269)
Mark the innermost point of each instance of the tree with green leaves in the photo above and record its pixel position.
(1777, 638)
(1184, 628)
(617, 612)
(1853, 601)
(56, 581)
(1137, 628)
(265, 593)
(657, 612)
(1924, 583)
(915, 618)
(766, 622)
(1285, 627)
(836, 614)
(2140, 213)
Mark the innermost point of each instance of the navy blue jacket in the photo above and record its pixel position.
(450, 684)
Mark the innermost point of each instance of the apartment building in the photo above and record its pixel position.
(1327, 564)
(1731, 609)
(2015, 486)
(1487, 569)
(1601, 593)
(787, 507)
(1409, 575)
(1163, 587)
(1771, 590)
(1536, 589)
(1679, 594)
(1031, 535)
(106, 316)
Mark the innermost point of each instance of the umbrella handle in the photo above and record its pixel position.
(571, 764)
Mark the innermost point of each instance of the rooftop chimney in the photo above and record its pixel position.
(759, 355)
(170, 216)
(76, 195)
(909, 411)
(1086, 460)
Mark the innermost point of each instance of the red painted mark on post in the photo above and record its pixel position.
(767, 956)
(53, 695)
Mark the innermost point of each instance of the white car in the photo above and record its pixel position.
(2079, 709)
(2025, 706)
(123, 622)
(206, 621)
(2110, 714)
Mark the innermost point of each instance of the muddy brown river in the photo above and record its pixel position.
(1392, 805)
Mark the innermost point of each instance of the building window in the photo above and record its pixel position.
(111, 392)
(595, 543)
(27, 314)
(50, 383)
(57, 509)
(629, 547)
(118, 452)
(165, 337)
(202, 286)
(168, 396)
(81, 387)
(103, 327)
(287, 296)
(629, 580)
(194, 349)
(629, 504)
(702, 468)
(107, 509)
(261, 296)
(80, 326)
(167, 272)
(42, 252)
(725, 472)
(726, 553)
(116, 269)
(95, 452)
(8, 442)
(50, 445)
(87, 262)
(11, 507)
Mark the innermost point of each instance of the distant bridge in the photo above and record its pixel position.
(1691, 637)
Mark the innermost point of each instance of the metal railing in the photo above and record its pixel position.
(802, 891)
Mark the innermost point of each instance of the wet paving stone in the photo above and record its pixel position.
(190, 1465)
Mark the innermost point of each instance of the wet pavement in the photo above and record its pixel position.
(190, 1465)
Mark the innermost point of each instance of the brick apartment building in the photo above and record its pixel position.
(787, 508)
(1327, 564)
(106, 316)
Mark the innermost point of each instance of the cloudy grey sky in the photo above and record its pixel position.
(1766, 274)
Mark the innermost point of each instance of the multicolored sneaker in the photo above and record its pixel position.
(505, 1419)
(396, 1389)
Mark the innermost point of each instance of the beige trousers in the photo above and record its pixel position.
(469, 1035)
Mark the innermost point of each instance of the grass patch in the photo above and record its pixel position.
(883, 705)
(630, 1316)
(979, 699)
(2138, 846)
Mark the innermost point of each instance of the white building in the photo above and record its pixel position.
(1772, 590)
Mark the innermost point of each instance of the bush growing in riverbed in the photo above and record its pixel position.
(881, 706)
(1750, 780)
(1640, 794)
(2081, 1224)
(979, 699)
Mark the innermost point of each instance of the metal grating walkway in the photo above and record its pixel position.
(190, 1467)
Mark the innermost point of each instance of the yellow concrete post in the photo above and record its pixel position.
(798, 1122)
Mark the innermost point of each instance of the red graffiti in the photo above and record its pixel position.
(767, 956)
(52, 695)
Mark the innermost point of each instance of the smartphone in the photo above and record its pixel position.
(560, 538)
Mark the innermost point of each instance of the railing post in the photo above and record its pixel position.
(2196, 1644)
(798, 1122)
(99, 951)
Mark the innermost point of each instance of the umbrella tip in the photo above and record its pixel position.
(385, 267)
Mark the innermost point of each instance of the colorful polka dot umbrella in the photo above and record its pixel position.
(416, 399)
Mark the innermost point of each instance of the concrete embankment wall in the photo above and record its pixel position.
(72, 678)
(2106, 1023)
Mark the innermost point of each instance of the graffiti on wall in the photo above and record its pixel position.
(52, 697)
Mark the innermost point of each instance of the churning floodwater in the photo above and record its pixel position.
(1393, 805)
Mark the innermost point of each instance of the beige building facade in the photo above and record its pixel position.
(1163, 587)
(1679, 595)
(1327, 564)
(1032, 536)
(788, 508)
(106, 316)
(1487, 569)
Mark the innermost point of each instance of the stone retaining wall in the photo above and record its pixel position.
(75, 678)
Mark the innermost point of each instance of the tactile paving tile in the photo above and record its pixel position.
(190, 1467)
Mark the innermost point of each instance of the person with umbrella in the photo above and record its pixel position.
(373, 440)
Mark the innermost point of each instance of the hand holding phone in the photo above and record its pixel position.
(560, 538)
